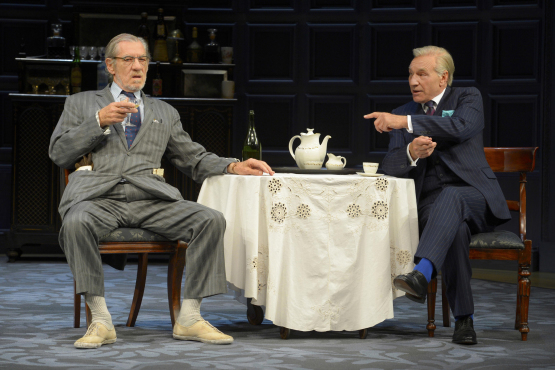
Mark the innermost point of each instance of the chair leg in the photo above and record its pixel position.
(175, 276)
(524, 296)
(445, 305)
(139, 289)
(518, 316)
(76, 306)
(89, 315)
(432, 290)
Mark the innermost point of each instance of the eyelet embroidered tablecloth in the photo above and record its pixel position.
(318, 251)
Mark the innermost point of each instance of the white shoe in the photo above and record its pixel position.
(201, 331)
(97, 334)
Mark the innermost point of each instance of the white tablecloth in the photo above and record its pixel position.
(318, 251)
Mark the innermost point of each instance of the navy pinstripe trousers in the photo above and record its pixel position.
(447, 219)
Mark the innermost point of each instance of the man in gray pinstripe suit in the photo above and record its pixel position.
(437, 140)
(124, 190)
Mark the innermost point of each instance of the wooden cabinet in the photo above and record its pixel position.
(37, 182)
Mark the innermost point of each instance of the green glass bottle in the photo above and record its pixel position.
(252, 147)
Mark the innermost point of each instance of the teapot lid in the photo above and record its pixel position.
(310, 132)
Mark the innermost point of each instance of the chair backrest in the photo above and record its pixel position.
(520, 160)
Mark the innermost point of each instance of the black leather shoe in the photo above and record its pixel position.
(464, 331)
(414, 284)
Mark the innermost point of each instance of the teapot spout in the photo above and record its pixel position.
(324, 148)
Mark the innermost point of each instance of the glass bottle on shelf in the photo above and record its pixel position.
(160, 52)
(157, 82)
(212, 49)
(143, 31)
(194, 50)
(251, 147)
(76, 75)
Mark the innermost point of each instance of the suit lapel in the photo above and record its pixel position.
(147, 120)
(443, 101)
(103, 98)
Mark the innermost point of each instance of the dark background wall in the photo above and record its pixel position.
(323, 64)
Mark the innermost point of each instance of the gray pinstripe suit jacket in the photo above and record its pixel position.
(78, 133)
(459, 145)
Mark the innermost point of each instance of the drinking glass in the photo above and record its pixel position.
(72, 51)
(137, 102)
(84, 51)
(92, 52)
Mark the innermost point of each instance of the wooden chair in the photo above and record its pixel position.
(501, 245)
(142, 242)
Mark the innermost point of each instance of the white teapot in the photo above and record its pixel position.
(310, 154)
(335, 162)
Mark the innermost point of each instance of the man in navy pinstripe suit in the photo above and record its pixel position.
(437, 140)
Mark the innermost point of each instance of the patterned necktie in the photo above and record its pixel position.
(431, 110)
(135, 119)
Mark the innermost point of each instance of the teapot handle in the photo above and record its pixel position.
(291, 145)
(344, 160)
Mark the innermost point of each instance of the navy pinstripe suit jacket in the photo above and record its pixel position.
(459, 145)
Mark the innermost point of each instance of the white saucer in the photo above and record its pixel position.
(370, 174)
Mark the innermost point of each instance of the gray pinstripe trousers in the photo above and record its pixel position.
(447, 219)
(127, 206)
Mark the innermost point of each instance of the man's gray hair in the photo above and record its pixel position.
(444, 60)
(112, 49)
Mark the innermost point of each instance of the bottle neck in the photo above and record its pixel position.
(251, 122)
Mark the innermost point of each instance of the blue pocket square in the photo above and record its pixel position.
(447, 113)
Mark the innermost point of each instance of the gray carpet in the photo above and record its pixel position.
(36, 331)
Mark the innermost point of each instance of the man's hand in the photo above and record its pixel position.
(115, 113)
(386, 122)
(250, 167)
(421, 147)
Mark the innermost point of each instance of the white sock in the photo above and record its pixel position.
(190, 312)
(99, 311)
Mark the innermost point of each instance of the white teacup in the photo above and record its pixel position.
(370, 167)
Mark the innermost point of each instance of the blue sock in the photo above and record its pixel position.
(426, 267)
(457, 318)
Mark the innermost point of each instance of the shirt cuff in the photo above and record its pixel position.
(233, 160)
(412, 163)
(107, 129)
(409, 124)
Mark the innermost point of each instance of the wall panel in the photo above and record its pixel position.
(516, 50)
(272, 52)
(515, 120)
(333, 52)
(33, 33)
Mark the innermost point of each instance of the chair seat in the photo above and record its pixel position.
(130, 234)
(501, 239)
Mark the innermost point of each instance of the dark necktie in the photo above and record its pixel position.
(431, 110)
(135, 119)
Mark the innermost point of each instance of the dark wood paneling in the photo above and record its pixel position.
(461, 39)
(517, 2)
(515, 120)
(333, 115)
(333, 52)
(384, 4)
(333, 4)
(385, 63)
(272, 53)
(454, 3)
(272, 4)
(210, 5)
(274, 119)
(516, 50)
(33, 33)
